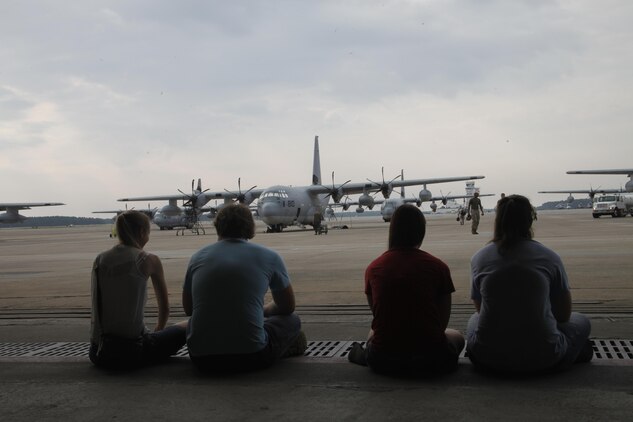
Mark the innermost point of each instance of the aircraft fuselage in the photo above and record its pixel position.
(168, 221)
(11, 216)
(283, 206)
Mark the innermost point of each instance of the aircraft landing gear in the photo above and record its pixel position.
(197, 229)
(275, 228)
(321, 229)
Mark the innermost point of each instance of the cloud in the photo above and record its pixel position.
(110, 99)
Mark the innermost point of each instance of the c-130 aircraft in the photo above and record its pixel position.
(281, 206)
(628, 187)
(12, 209)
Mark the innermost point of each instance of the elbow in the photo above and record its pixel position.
(287, 308)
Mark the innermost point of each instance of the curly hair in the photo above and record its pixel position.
(235, 221)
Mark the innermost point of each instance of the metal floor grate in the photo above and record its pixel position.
(604, 349)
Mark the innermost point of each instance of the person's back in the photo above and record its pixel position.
(122, 292)
(521, 294)
(118, 336)
(409, 293)
(231, 329)
(516, 326)
(404, 285)
(229, 280)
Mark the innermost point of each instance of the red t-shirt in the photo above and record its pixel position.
(405, 286)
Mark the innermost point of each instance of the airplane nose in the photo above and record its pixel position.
(268, 209)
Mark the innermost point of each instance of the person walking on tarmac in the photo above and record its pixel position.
(474, 205)
(461, 214)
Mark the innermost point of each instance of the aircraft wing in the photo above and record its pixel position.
(608, 171)
(414, 182)
(447, 197)
(26, 205)
(354, 188)
(587, 191)
(207, 195)
(155, 198)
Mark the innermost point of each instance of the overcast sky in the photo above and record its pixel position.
(102, 100)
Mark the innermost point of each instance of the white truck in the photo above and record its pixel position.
(615, 205)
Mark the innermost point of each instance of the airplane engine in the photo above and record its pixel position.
(170, 210)
(360, 210)
(337, 194)
(386, 190)
(418, 203)
(444, 201)
(366, 200)
(248, 198)
(345, 207)
(433, 206)
(629, 186)
(570, 199)
(425, 195)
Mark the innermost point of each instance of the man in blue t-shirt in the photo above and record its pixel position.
(231, 329)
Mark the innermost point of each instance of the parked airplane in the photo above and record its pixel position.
(150, 212)
(12, 214)
(629, 172)
(591, 192)
(389, 205)
(281, 206)
(172, 216)
(628, 187)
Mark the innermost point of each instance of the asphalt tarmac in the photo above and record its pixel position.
(45, 287)
(45, 272)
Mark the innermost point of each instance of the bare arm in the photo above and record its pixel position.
(283, 302)
(154, 269)
(561, 307)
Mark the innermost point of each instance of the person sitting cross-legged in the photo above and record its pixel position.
(409, 293)
(523, 322)
(230, 329)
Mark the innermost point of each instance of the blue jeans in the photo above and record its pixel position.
(282, 331)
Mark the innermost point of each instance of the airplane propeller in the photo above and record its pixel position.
(336, 192)
(385, 188)
(242, 198)
(444, 197)
(192, 199)
(592, 192)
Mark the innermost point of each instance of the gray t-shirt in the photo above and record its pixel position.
(517, 329)
(228, 281)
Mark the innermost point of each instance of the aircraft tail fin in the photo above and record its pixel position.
(316, 164)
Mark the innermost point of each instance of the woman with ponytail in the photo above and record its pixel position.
(523, 321)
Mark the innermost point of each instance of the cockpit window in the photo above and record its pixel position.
(274, 194)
